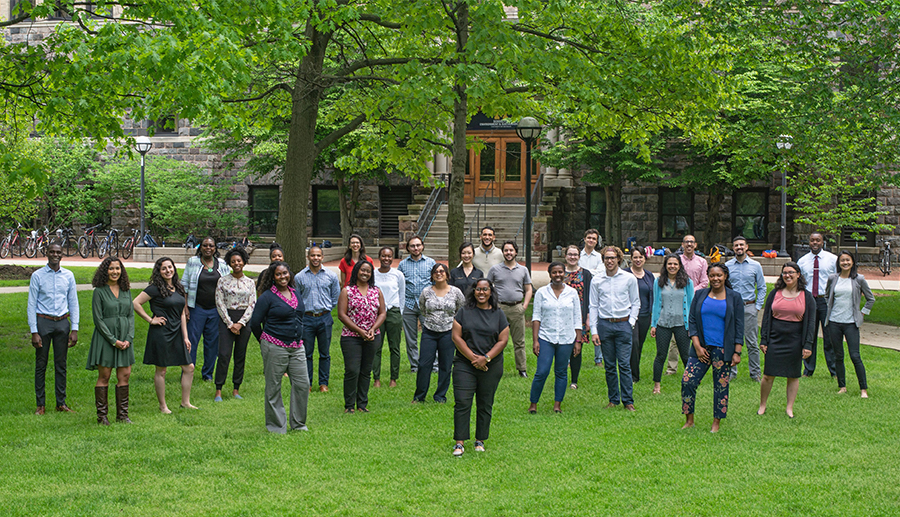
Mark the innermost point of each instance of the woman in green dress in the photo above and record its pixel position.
(113, 337)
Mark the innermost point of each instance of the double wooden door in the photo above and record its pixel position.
(497, 170)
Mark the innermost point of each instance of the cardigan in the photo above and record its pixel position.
(734, 321)
(191, 276)
(809, 320)
(860, 289)
(685, 304)
(278, 319)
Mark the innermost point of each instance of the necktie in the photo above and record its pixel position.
(815, 287)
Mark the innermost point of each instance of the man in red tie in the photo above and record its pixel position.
(816, 266)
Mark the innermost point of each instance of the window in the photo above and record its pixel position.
(596, 209)
(60, 13)
(750, 213)
(394, 203)
(676, 213)
(12, 8)
(866, 237)
(263, 209)
(326, 212)
(164, 125)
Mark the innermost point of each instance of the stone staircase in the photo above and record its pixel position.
(506, 219)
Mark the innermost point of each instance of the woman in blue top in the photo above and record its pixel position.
(716, 327)
(672, 296)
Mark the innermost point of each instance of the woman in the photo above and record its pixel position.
(579, 279)
(556, 334)
(235, 298)
(438, 304)
(843, 293)
(672, 297)
(276, 254)
(716, 324)
(480, 331)
(355, 249)
(465, 274)
(277, 325)
(645, 289)
(201, 276)
(361, 310)
(167, 338)
(787, 334)
(392, 284)
(113, 337)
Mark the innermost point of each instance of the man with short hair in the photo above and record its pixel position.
(416, 269)
(52, 314)
(590, 257)
(512, 283)
(392, 284)
(487, 255)
(816, 266)
(695, 266)
(319, 288)
(614, 306)
(747, 279)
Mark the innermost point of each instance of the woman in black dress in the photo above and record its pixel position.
(167, 337)
(465, 274)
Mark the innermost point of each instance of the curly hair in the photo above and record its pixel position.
(267, 278)
(241, 252)
(160, 282)
(801, 280)
(724, 268)
(618, 251)
(681, 277)
(101, 276)
(354, 275)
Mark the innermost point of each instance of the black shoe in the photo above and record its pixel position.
(523, 374)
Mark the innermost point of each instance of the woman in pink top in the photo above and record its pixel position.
(787, 334)
(361, 310)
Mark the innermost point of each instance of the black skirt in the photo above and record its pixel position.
(784, 357)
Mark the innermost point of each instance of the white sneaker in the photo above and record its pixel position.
(458, 450)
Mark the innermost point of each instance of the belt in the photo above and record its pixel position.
(749, 302)
(316, 314)
(510, 304)
(616, 320)
(54, 318)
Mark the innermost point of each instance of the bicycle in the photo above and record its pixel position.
(109, 244)
(885, 265)
(128, 245)
(36, 242)
(87, 243)
(13, 243)
(65, 239)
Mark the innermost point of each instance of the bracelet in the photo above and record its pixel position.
(738, 353)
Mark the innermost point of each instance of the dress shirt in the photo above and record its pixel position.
(696, 270)
(613, 297)
(319, 291)
(52, 293)
(592, 261)
(392, 284)
(559, 317)
(827, 267)
(418, 276)
(191, 276)
(748, 280)
(484, 260)
(235, 294)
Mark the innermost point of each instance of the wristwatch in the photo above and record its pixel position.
(487, 357)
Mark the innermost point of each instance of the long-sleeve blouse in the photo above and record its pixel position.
(277, 319)
(235, 294)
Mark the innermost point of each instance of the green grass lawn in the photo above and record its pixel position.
(838, 457)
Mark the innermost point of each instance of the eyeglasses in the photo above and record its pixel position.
(788, 273)
(689, 242)
(610, 258)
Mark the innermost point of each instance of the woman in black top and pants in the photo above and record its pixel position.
(465, 274)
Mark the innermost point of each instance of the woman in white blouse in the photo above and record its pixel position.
(843, 294)
(556, 331)
(235, 299)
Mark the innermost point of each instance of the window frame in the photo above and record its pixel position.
(660, 215)
(316, 212)
(589, 193)
(251, 211)
(734, 215)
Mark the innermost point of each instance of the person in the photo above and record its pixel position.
(590, 258)
(276, 254)
(578, 278)
(277, 323)
(466, 273)
(168, 343)
(486, 255)
(52, 314)
(843, 294)
(356, 248)
(391, 283)
(747, 278)
(201, 275)
(416, 269)
(645, 290)
(695, 266)
(319, 288)
(788, 333)
(556, 334)
(817, 266)
(439, 303)
(361, 310)
(672, 297)
(235, 298)
(111, 344)
(480, 333)
(614, 307)
(716, 327)
(513, 284)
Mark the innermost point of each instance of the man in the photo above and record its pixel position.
(392, 284)
(416, 269)
(590, 257)
(319, 288)
(53, 319)
(747, 279)
(512, 283)
(695, 266)
(614, 305)
(487, 255)
(816, 266)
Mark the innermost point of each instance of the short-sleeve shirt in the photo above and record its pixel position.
(459, 280)
(509, 282)
(347, 268)
(481, 329)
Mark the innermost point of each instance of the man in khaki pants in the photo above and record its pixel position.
(512, 283)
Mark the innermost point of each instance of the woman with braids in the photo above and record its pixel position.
(167, 337)
(201, 276)
(235, 298)
(355, 250)
(111, 345)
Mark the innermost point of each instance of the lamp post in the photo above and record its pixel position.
(784, 142)
(528, 129)
(142, 145)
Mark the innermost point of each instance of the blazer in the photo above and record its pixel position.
(734, 320)
(685, 303)
(860, 288)
(809, 321)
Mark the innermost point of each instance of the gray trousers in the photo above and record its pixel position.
(276, 361)
(751, 341)
(411, 319)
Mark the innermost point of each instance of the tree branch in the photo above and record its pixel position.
(352, 67)
(559, 39)
(338, 79)
(279, 86)
(18, 19)
(378, 21)
(335, 135)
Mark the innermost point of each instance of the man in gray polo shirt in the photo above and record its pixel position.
(513, 286)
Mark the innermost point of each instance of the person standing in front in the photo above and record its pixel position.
(319, 288)
(844, 292)
(53, 320)
(817, 266)
(645, 280)
(513, 285)
(486, 255)
(235, 298)
(578, 278)
(416, 269)
(355, 250)
(614, 308)
(439, 303)
(392, 285)
(747, 279)
(695, 266)
(201, 276)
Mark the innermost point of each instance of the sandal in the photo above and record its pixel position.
(349, 410)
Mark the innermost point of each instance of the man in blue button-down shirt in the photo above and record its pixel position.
(319, 288)
(747, 279)
(52, 318)
(416, 268)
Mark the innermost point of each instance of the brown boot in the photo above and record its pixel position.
(122, 404)
(101, 394)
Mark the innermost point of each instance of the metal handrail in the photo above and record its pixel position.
(537, 192)
(430, 211)
(479, 206)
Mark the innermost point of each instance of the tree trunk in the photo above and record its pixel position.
(346, 220)
(613, 228)
(711, 236)
(456, 216)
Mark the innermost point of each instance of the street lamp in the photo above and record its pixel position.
(784, 142)
(528, 129)
(142, 144)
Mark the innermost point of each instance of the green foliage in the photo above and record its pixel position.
(69, 195)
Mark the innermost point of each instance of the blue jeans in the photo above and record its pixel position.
(548, 352)
(318, 328)
(204, 323)
(615, 340)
